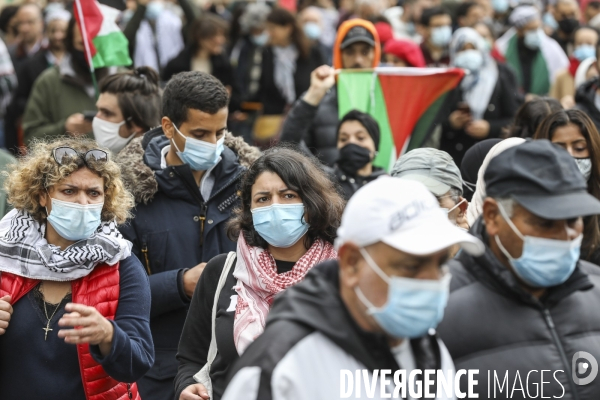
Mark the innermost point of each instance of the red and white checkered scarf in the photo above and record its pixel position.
(258, 282)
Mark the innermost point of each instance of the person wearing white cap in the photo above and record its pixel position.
(374, 308)
(536, 58)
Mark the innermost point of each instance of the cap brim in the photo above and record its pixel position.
(423, 240)
(359, 39)
(434, 186)
(564, 206)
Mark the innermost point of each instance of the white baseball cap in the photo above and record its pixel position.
(403, 214)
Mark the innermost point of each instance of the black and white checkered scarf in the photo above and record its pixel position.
(25, 252)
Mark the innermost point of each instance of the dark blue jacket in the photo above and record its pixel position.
(174, 229)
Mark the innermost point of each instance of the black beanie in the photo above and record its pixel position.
(366, 120)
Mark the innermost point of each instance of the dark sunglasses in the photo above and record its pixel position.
(63, 155)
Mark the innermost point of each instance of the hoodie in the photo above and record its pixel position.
(314, 128)
(309, 338)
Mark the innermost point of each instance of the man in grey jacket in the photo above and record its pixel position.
(312, 121)
(525, 313)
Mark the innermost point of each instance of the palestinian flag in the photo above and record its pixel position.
(105, 44)
(406, 102)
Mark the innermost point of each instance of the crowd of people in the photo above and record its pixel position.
(206, 224)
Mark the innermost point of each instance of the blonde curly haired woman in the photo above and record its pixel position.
(74, 301)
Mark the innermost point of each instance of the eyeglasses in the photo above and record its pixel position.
(64, 155)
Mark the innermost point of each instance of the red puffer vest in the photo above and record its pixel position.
(100, 289)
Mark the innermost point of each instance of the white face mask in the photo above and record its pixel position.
(107, 134)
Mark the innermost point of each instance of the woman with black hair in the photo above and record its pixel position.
(531, 114)
(287, 63)
(286, 224)
(358, 143)
(576, 132)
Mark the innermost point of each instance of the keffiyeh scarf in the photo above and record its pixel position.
(258, 282)
(25, 252)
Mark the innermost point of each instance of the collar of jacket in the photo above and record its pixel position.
(316, 303)
(586, 93)
(143, 177)
(492, 273)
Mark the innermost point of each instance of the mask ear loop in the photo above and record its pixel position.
(513, 227)
(184, 138)
(374, 265)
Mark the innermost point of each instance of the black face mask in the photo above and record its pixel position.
(568, 25)
(353, 157)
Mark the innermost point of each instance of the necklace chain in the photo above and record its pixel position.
(47, 328)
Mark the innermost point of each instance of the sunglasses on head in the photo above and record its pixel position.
(64, 155)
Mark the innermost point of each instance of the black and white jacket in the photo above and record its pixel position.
(309, 338)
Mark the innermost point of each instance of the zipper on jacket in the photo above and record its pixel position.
(147, 261)
(561, 351)
(202, 218)
(129, 394)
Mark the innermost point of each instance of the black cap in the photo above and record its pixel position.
(365, 120)
(543, 178)
(358, 34)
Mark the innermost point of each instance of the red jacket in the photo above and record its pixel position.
(100, 289)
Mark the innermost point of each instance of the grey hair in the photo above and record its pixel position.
(453, 193)
(254, 16)
(508, 204)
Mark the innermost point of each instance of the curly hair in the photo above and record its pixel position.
(27, 180)
(304, 175)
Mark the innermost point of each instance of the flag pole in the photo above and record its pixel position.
(86, 44)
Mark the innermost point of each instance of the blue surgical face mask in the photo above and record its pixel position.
(469, 59)
(549, 21)
(533, 39)
(74, 221)
(584, 51)
(312, 30)
(281, 225)
(154, 9)
(544, 262)
(441, 36)
(500, 6)
(413, 305)
(260, 40)
(198, 154)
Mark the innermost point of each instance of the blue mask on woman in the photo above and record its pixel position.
(413, 305)
(281, 225)
(544, 262)
(74, 221)
(469, 59)
(260, 40)
(198, 154)
(584, 51)
(500, 6)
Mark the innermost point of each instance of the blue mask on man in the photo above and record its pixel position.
(74, 221)
(441, 35)
(471, 60)
(413, 305)
(281, 225)
(198, 154)
(544, 262)
(584, 51)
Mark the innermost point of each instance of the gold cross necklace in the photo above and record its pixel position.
(47, 328)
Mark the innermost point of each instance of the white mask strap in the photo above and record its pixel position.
(184, 138)
(509, 222)
(374, 265)
(456, 206)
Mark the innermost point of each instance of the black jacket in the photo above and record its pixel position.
(174, 229)
(314, 128)
(221, 69)
(269, 95)
(196, 335)
(310, 312)
(29, 70)
(501, 109)
(351, 183)
(492, 324)
(584, 99)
